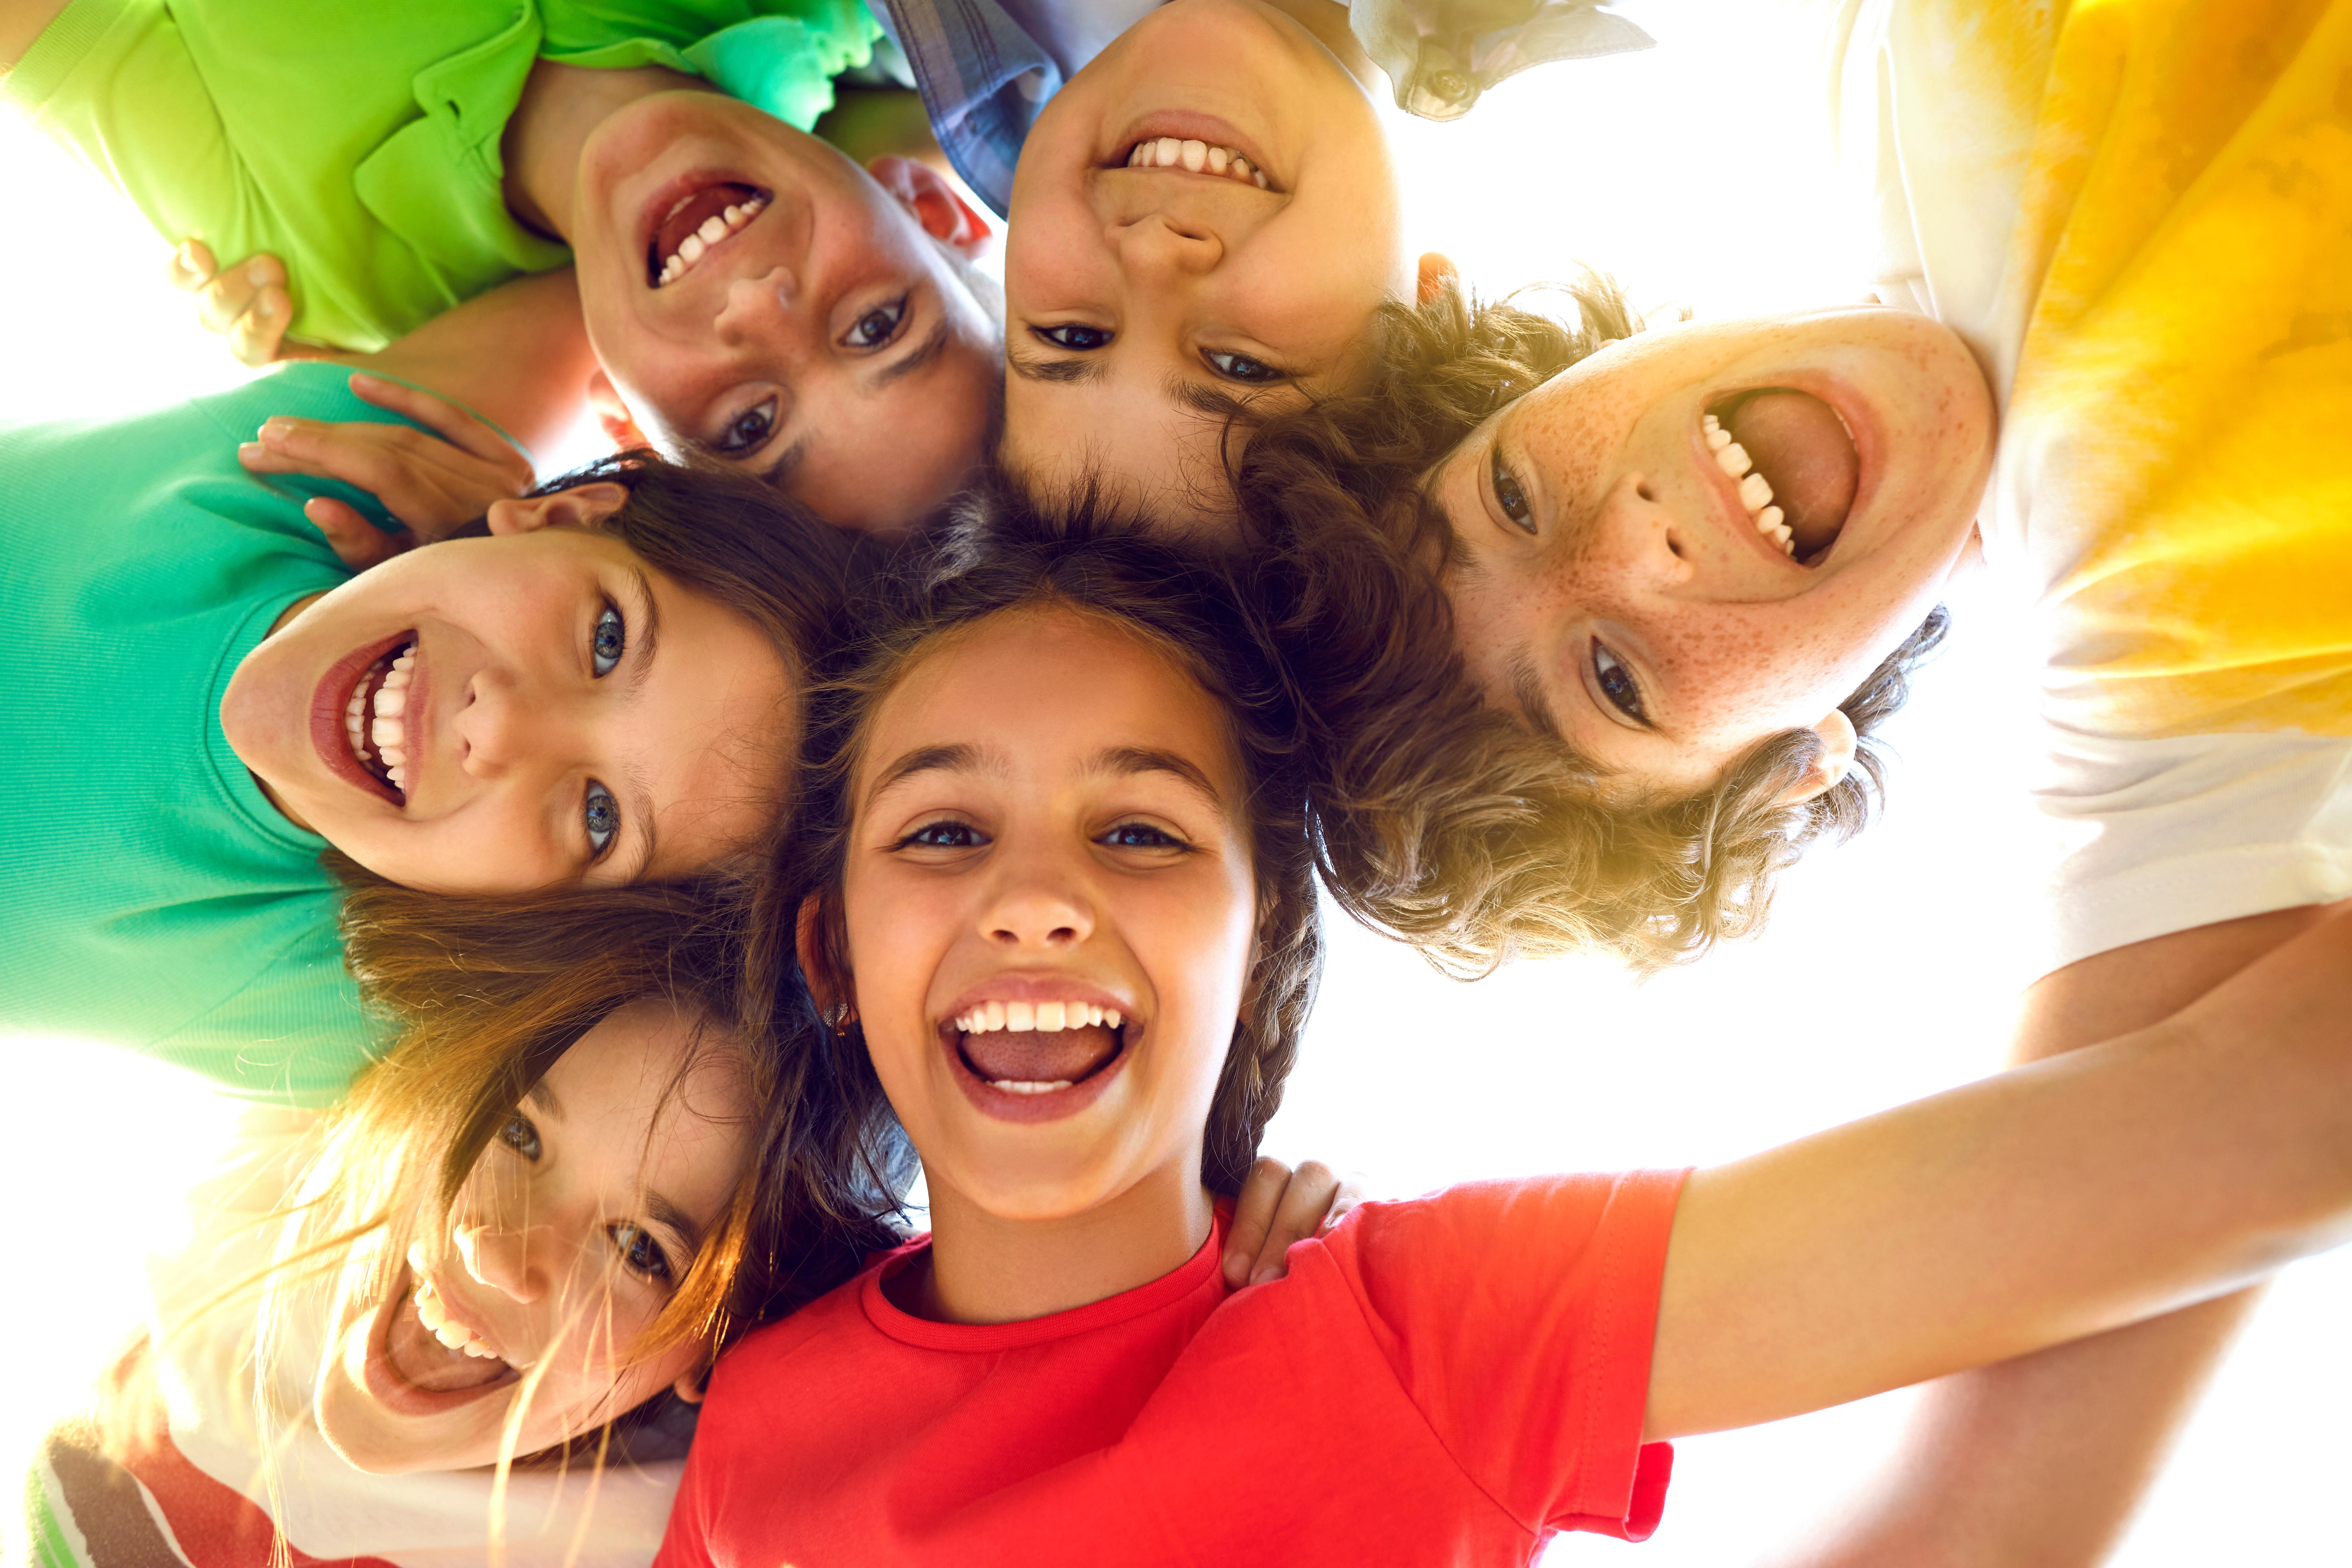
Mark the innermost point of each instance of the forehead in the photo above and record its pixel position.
(1051, 688)
(657, 1090)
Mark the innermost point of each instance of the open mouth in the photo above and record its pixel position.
(375, 717)
(698, 223)
(1794, 463)
(1197, 157)
(433, 1354)
(1038, 1049)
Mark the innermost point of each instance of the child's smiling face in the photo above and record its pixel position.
(1130, 281)
(1083, 853)
(574, 1229)
(1613, 582)
(820, 335)
(565, 715)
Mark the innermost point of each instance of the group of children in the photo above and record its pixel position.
(631, 876)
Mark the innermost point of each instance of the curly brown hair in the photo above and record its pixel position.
(1002, 555)
(1444, 822)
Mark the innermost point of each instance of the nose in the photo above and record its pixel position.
(1637, 534)
(510, 723)
(503, 1260)
(1155, 247)
(763, 309)
(1039, 909)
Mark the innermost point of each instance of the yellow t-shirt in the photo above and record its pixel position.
(2139, 211)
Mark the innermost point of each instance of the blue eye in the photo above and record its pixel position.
(1077, 339)
(520, 1136)
(1242, 368)
(1617, 683)
(640, 1253)
(608, 642)
(600, 814)
(1509, 495)
(1140, 835)
(944, 835)
(877, 327)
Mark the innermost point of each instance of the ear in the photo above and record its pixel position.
(583, 506)
(613, 416)
(817, 965)
(690, 1387)
(1437, 269)
(1837, 760)
(937, 205)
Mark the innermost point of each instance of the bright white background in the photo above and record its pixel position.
(1693, 174)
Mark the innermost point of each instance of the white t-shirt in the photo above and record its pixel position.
(204, 1494)
(2137, 212)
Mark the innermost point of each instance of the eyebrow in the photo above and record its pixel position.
(1115, 761)
(1534, 705)
(540, 1095)
(663, 1212)
(645, 645)
(922, 355)
(791, 458)
(1061, 372)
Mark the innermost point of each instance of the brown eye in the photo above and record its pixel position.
(1508, 493)
(520, 1136)
(748, 430)
(1617, 683)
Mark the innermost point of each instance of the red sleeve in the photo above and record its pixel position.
(686, 1543)
(1519, 1318)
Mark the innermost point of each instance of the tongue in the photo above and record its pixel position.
(696, 210)
(423, 1361)
(1067, 1054)
(1801, 448)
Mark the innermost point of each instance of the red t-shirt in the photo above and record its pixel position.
(1449, 1380)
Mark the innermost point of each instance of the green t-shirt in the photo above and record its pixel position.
(154, 897)
(359, 143)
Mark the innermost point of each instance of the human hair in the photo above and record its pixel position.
(481, 996)
(1445, 822)
(999, 557)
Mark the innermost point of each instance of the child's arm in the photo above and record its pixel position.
(2049, 1203)
(2041, 1460)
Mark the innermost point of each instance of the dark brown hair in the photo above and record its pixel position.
(1002, 556)
(1446, 822)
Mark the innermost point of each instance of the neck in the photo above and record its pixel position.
(518, 355)
(549, 127)
(984, 1269)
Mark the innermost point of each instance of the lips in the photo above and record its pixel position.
(331, 703)
(409, 1369)
(1016, 1072)
(1182, 127)
(688, 217)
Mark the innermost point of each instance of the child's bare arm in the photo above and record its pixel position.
(2041, 1460)
(2060, 1200)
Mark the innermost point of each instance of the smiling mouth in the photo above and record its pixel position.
(696, 223)
(375, 717)
(1794, 463)
(1044, 1048)
(1195, 157)
(430, 1352)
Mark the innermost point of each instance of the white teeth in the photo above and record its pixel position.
(434, 1316)
(1755, 491)
(1732, 458)
(1755, 494)
(1768, 520)
(715, 227)
(387, 731)
(1042, 1018)
(1026, 1086)
(1196, 157)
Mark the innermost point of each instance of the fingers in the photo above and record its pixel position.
(444, 418)
(1298, 1217)
(231, 293)
(256, 336)
(428, 484)
(1253, 1213)
(191, 267)
(358, 543)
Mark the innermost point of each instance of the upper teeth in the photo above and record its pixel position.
(1201, 157)
(1755, 494)
(715, 227)
(1042, 1018)
(387, 727)
(434, 1316)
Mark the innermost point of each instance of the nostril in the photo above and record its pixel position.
(1643, 489)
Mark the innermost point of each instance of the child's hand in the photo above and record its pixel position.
(246, 304)
(433, 483)
(1277, 1207)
